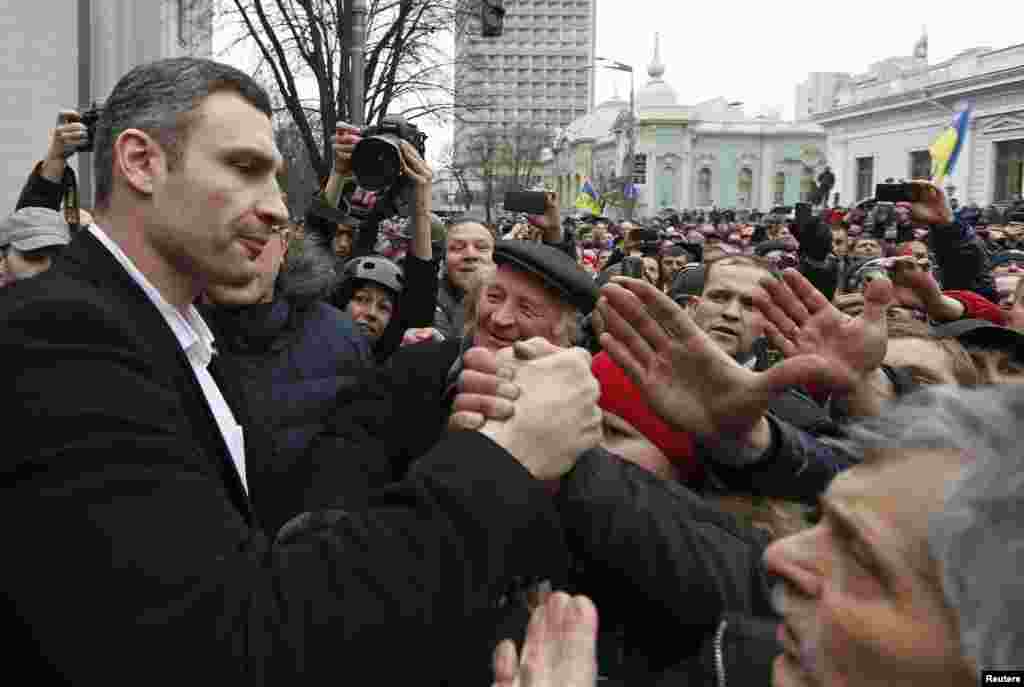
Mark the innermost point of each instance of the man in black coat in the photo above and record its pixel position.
(134, 553)
(826, 180)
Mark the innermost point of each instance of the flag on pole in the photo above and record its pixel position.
(587, 198)
(945, 151)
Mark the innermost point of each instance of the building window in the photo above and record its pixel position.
(640, 168)
(745, 186)
(779, 189)
(1009, 170)
(865, 177)
(920, 164)
(704, 187)
(808, 189)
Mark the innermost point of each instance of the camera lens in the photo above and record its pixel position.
(377, 162)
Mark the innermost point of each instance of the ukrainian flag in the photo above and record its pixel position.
(945, 151)
(587, 198)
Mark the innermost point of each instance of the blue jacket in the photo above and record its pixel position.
(291, 359)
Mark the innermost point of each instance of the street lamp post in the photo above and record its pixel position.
(631, 146)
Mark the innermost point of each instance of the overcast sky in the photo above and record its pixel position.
(757, 52)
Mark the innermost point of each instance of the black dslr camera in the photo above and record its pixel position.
(87, 116)
(377, 164)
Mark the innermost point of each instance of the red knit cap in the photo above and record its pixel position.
(620, 396)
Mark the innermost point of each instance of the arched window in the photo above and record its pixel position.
(745, 186)
(808, 189)
(779, 191)
(704, 187)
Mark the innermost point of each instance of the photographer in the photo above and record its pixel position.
(414, 308)
(51, 178)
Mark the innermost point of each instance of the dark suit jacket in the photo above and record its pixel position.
(131, 554)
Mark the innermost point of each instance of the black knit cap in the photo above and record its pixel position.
(553, 267)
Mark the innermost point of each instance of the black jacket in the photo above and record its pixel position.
(449, 313)
(134, 550)
(40, 192)
(962, 259)
(660, 562)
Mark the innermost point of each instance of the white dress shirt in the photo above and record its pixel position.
(196, 341)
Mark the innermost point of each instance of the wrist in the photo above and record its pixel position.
(498, 432)
(947, 309)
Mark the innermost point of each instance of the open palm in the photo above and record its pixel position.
(685, 376)
(801, 321)
(560, 649)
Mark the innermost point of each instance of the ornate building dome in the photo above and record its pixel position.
(656, 92)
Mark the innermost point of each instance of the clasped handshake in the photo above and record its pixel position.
(539, 401)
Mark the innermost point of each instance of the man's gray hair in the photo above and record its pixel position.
(157, 98)
(977, 539)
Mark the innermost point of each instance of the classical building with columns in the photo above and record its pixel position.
(881, 124)
(686, 156)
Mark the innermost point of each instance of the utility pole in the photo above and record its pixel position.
(631, 133)
(357, 55)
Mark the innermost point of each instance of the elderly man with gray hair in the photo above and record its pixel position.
(911, 575)
(30, 241)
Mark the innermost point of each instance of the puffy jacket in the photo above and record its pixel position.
(291, 358)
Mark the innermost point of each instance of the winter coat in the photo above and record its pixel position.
(291, 358)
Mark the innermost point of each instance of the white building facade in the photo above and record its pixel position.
(701, 156)
(60, 54)
(884, 123)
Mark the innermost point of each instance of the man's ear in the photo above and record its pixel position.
(137, 158)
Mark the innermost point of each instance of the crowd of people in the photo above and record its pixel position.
(778, 449)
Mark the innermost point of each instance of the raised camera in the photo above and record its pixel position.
(377, 158)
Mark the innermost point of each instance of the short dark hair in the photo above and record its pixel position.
(738, 261)
(158, 98)
(468, 220)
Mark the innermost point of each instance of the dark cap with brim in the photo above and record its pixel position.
(984, 334)
(553, 267)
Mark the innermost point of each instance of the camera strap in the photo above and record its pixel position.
(72, 202)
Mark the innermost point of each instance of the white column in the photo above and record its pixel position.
(767, 174)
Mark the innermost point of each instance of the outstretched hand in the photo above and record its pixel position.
(560, 649)
(686, 377)
(800, 321)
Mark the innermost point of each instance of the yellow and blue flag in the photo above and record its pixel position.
(945, 151)
(587, 198)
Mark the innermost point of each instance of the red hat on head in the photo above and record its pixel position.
(620, 396)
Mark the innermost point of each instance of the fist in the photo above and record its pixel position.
(344, 142)
(67, 136)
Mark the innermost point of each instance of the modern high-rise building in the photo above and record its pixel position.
(538, 74)
(68, 53)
